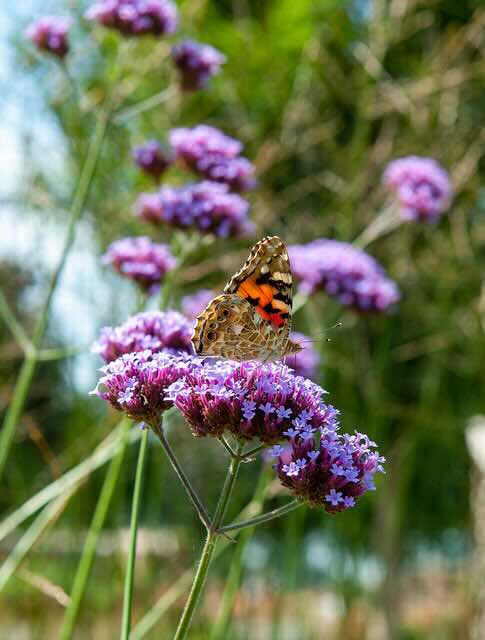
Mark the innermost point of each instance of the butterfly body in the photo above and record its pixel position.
(252, 319)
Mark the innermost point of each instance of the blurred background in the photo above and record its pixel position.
(323, 94)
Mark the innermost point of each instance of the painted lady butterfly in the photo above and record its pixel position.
(251, 320)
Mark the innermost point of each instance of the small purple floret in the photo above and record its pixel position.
(49, 33)
(330, 471)
(136, 383)
(136, 17)
(421, 185)
(152, 158)
(250, 400)
(213, 155)
(206, 206)
(197, 63)
(167, 331)
(141, 260)
(344, 272)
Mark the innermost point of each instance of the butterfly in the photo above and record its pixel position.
(251, 320)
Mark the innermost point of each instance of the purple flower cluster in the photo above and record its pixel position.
(327, 469)
(306, 362)
(152, 159)
(213, 155)
(422, 187)
(136, 17)
(50, 34)
(136, 383)
(205, 206)
(250, 400)
(194, 303)
(349, 274)
(167, 331)
(141, 260)
(197, 63)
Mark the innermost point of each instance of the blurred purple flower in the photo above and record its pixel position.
(193, 144)
(213, 155)
(140, 259)
(136, 383)
(152, 159)
(194, 303)
(327, 469)
(306, 362)
(344, 272)
(167, 331)
(205, 206)
(136, 17)
(49, 33)
(196, 63)
(250, 400)
(422, 187)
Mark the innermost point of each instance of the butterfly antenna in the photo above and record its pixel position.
(323, 337)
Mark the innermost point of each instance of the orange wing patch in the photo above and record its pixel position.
(262, 297)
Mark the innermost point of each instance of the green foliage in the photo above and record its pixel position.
(323, 94)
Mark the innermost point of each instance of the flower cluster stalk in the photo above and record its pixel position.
(210, 546)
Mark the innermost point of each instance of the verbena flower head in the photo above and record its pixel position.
(250, 400)
(152, 159)
(213, 155)
(306, 362)
(167, 331)
(197, 63)
(195, 303)
(50, 34)
(192, 144)
(422, 187)
(136, 383)
(344, 272)
(205, 206)
(328, 469)
(136, 17)
(141, 260)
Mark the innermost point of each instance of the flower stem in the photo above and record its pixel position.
(27, 370)
(15, 327)
(265, 517)
(220, 628)
(86, 561)
(135, 512)
(387, 220)
(144, 105)
(209, 547)
(194, 498)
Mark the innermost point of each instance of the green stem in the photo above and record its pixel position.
(27, 370)
(87, 557)
(194, 498)
(226, 446)
(265, 517)
(209, 547)
(219, 630)
(135, 512)
(15, 327)
(75, 477)
(144, 105)
(253, 451)
(176, 590)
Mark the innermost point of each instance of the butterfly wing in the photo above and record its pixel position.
(226, 328)
(252, 319)
(265, 281)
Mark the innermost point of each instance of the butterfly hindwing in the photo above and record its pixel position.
(252, 319)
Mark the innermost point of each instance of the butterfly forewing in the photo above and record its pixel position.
(252, 319)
